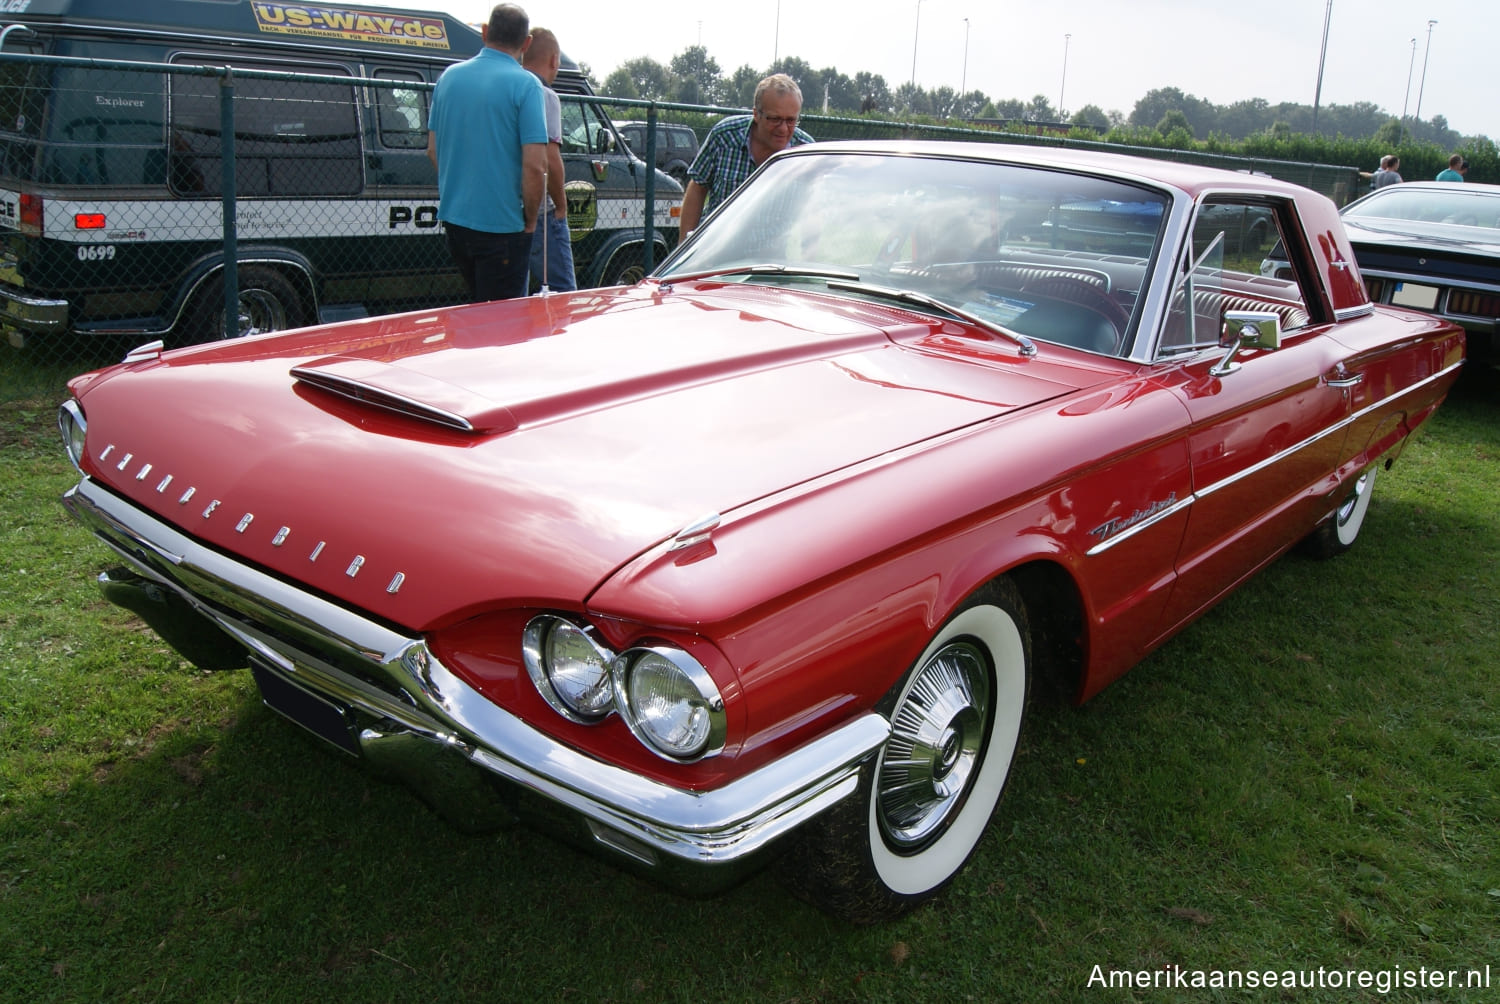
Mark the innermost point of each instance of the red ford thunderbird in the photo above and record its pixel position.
(761, 556)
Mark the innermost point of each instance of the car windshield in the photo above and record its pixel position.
(1454, 204)
(1045, 253)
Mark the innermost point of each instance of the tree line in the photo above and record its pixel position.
(694, 77)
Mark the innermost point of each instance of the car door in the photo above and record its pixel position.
(1266, 428)
(601, 186)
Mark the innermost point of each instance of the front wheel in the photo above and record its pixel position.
(626, 268)
(926, 798)
(1337, 533)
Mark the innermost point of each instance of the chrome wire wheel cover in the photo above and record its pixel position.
(936, 745)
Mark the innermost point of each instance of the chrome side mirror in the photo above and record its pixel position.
(1247, 329)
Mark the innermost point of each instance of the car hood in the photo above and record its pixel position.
(1417, 235)
(599, 425)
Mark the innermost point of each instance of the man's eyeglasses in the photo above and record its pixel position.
(779, 121)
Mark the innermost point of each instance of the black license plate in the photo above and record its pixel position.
(322, 717)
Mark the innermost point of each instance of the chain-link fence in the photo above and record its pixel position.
(1340, 183)
(138, 199)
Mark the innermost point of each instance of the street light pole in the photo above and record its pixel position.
(1063, 87)
(1322, 55)
(1425, 53)
(915, 32)
(963, 86)
(776, 40)
(1407, 100)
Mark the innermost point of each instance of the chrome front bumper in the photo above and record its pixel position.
(411, 716)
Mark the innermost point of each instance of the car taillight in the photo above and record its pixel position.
(1472, 303)
(30, 221)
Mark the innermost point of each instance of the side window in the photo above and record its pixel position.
(402, 112)
(292, 136)
(583, 129)
(1230, 240)
(103, 126)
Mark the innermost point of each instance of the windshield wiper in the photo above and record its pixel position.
(791, 272)
(1028, 347)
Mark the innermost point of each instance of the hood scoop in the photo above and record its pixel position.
(415, 395)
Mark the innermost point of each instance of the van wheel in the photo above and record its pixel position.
(626, 268)
(268, 302)
(925, 799)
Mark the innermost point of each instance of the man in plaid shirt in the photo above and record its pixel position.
(739, 144)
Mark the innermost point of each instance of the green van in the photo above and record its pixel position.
(112, 177)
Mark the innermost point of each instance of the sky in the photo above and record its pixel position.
(1075, 52)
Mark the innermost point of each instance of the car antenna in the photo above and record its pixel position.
(544, 225)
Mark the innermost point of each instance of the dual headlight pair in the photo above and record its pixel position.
(664, 695)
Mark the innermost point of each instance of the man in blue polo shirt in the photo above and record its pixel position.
(736, 146)
(487, 137)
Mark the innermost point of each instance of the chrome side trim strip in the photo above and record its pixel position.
(1344, 423)
(1124, 535)
(308, 639)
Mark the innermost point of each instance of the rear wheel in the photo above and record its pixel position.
(1337, 534)
(926, 798)
(267, 302)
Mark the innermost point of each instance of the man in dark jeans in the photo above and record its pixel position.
(487, 137)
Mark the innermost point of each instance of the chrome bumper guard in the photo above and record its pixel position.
(416, 720)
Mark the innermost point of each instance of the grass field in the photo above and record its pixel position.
(1307, 779)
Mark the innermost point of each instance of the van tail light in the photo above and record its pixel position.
(30, 222)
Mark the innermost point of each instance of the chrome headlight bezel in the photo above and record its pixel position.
(73, 428)
(706, 707)
(694, 710)
(564, 694)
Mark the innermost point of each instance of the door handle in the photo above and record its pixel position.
(1343, 379)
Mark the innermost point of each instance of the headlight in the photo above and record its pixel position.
(670, 702)
(570, 669)
(71, 424)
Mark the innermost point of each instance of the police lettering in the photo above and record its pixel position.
(421, 217)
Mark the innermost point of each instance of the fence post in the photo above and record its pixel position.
(648, 253)
(231, 231)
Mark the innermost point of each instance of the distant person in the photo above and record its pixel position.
(551, 258)
(487, 137)
(1388, 173)
(739, 144)
(1455, 170)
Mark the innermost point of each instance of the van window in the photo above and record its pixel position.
(402, 112)
(104, 127)
(22, 90)
(292, 137)
(583, 131)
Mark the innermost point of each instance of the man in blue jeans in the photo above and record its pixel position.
(551, 245)
(487, 137)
